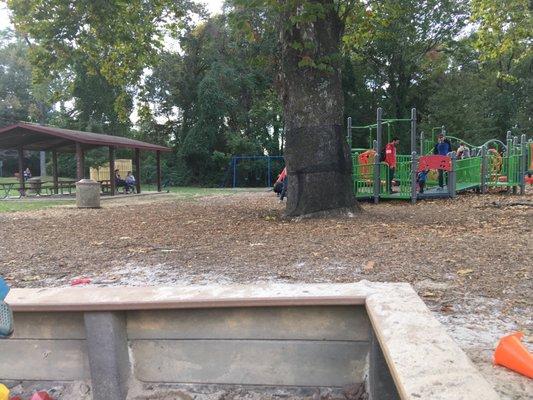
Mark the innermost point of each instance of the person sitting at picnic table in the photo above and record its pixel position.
(27, 174)
(130, 182)
(118, 180)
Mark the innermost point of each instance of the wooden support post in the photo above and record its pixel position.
(138, 170)
(112, 169)
(54, 171)
(158, 169)
(79, 161)
(22, 185)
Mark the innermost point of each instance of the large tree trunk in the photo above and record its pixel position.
(317, 155)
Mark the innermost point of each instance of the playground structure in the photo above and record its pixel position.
(494, 164)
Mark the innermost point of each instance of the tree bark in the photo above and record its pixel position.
(317, 155)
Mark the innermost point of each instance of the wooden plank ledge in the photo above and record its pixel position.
(424, 361)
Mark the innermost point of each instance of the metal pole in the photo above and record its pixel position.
(414, 169)
(523, 162)
(516, 168)
(451, 176)
(509, 143)
(349, 132)
(379, 129)
(483, 180)
(413, 130)
(377, 178)
(422, 143)
(377, 158)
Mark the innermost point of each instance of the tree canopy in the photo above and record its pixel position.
(210, 86)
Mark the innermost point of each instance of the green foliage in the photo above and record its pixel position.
(112, 40)
(473, 102)
(402, 41)
(505, 33)
(88, 64)
(222, 83)
(19, 101)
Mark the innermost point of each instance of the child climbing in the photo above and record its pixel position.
(283, 193)
(278, 185)
(442, 148)
(390, 159)
(421, 179)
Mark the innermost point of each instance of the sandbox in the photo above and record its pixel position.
(300, 337)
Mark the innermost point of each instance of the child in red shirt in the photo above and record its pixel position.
(390, 159)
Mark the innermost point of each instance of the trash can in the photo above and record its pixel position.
(87, 194)
(35, 184)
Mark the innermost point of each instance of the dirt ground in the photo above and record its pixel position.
(470, 258)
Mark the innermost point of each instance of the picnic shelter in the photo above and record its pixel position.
(35, 137)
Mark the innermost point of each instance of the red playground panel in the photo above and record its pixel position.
(435, 162)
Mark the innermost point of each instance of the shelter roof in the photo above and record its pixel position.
(43, 137)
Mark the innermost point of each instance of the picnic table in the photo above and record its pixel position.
(38, 188)
(106, 187)
(61, 187)
(7, 187)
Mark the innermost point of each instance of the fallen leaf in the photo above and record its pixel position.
(369, 266)
(464, 271)
(447, 308)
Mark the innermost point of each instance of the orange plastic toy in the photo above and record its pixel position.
(366, 160)
(512, 354)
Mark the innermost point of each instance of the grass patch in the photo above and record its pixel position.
(30, 205)
(190, 192)
(186, 193)
(12, 179)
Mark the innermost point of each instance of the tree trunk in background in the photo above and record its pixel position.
(317, 155)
